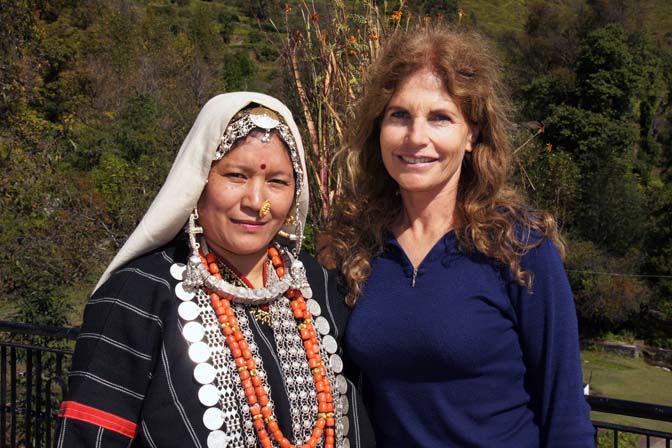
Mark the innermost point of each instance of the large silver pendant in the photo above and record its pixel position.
(299, 279)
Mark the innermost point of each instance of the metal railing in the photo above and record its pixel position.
(648, 411)
(33, 381)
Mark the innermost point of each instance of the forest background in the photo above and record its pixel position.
(96, 97)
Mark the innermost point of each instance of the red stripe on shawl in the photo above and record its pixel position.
(78, 411)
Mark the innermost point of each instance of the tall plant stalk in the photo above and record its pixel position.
(328, 55)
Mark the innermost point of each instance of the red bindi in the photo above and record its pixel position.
(263, 166)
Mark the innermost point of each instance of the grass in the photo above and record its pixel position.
(657, 16)
(496, 16)
(616, 376)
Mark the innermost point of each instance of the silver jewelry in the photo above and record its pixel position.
(267, 120)
(197, 275)
(226, 412)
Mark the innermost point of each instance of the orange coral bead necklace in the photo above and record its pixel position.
(265, 423)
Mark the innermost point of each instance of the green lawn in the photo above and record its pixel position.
(617, 376)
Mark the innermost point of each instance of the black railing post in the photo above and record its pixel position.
(28, 405)
(3, 396)
(38, 397)
(47, 413)
(12, 396)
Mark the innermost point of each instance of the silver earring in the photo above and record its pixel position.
(192, 230)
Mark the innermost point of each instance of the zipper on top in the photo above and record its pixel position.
(415, 275)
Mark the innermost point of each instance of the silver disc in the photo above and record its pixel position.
(205, 373)
(322, 325)
(208, 395)
(177, 271)
(335, 362)
(217, 439)
(182, 294)
(330, 344)
(188, 310)
(264, 118)
(199, 352)
(345, 403)
(193, 332)
(213, 418)
(346, 443)
(314, 307)
(306, 292)
(346, 424)
(341, 384)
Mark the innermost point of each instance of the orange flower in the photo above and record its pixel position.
(396, 16)
(427, 19)
(461, 13)
(352, 39)
(549, 147)
(288, 8)
(315, 17)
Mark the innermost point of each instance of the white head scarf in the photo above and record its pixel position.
(186, 180)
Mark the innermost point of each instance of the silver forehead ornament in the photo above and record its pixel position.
(265, 119)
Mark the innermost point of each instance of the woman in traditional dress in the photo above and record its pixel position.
(206, 330)
(464, 326)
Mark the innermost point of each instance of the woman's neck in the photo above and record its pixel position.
(425, 218)
(428, 212)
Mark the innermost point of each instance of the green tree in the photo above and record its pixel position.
(606, 299)
(608, 82)
(238, 70)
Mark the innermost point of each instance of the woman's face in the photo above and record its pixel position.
(238, 185)
(423, 135)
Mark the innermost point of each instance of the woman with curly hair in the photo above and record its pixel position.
(464, 326)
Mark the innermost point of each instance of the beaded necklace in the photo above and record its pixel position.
(260, 409)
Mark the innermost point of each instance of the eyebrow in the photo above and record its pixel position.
(289, 173)
(243, 167)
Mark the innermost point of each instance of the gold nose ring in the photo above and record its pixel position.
(265, 208)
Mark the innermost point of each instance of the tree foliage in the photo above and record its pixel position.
(603, 101)
(96, 97)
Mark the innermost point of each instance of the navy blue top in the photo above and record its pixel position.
(466, 357)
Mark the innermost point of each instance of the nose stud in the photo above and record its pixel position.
(265, 208)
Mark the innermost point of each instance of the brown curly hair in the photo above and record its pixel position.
(495, 221)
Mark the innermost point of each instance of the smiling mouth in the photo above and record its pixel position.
(416, 160)
(248, 223)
